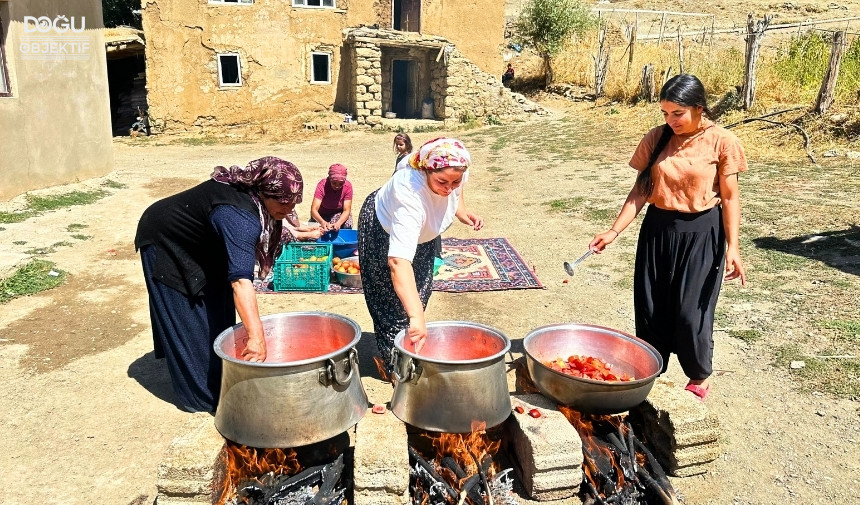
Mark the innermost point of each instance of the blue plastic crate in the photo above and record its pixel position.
(344, 242)
(294, 269)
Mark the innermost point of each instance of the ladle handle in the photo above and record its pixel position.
(577, 262)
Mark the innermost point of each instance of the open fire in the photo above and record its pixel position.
(255, 476)
(461, 471)
(617, 466)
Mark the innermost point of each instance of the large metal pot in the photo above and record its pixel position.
(626, 353)
(307, 390)
(457, 383)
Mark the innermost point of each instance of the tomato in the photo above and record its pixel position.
(587, 367)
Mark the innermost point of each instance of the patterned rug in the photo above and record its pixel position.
(471, 265)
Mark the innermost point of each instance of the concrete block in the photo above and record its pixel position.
(548, 449)
(681, 431)
(380, 497)
(381, 455)
(190, 471)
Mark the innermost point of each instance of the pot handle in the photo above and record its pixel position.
(395, 362)
(331, 369)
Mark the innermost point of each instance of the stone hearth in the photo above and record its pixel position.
(546, 451)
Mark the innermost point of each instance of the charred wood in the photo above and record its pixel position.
(483, 473)
(654, 465)
(427, 467)
(449, 463)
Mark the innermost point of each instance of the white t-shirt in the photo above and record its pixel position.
(403, 163)
(411, 213)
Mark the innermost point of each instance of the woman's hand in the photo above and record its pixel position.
(334, 227)
(255, 350)
(601, 240)
(735, 266)
(473, 220)
(417, 332)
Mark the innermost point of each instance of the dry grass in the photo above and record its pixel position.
(719, 66)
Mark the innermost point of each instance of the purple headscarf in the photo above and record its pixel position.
(268, 177)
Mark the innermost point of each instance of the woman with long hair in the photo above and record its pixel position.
(688, 175)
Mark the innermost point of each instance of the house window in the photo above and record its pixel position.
(245, 2)
(321, 68)
(229, 70)
(320, 4)
(4, 75)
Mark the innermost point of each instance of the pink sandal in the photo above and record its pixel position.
(700, 392)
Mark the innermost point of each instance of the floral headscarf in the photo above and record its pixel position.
(268, 177)
(441, 153)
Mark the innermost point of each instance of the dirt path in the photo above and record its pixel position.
(87, 410)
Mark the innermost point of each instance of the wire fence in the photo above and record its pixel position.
(674, 42)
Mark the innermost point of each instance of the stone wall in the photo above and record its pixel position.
(471, 93)
(274, 42)
(459, 89)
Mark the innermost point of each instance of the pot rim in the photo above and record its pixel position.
(223, 335)
(636, 340)
(398, 343)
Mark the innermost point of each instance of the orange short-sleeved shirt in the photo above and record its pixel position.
(686, 172)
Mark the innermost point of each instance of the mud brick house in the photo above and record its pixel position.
(217, 63)
(54, 112)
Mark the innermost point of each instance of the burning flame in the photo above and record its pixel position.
(585, 426)
(380, 365)
(466, 449)
(243, 463)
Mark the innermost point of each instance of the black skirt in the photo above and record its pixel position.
(677, 279)
(386, 309)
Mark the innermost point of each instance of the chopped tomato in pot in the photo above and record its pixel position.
(587, 367)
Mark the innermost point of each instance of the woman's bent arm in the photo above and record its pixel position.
(629, 210)
(245, 299)
(403, 278)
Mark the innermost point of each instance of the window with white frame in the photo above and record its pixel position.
(319, 4)
(229, 70)
(4, 75)
(321, 68)
(245, 2)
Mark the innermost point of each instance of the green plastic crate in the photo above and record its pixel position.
(294, 271)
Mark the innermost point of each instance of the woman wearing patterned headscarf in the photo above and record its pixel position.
(396, 230)
(198, 249)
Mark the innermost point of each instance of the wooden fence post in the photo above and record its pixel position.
(828, 85)
(755, 32)
(647, 86)
(662, 25)
(711, 39)
(631, 47)
(601, 62)
(680, 52)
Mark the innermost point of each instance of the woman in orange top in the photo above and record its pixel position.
(688, 173)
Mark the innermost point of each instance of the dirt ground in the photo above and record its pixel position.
(88, 412)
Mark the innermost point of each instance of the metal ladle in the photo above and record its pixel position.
(568, 267)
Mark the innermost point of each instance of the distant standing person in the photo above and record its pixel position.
(332, 204)
(508, 76)
(688, 174)
(402, 148)
(198, 249)
(397, 226)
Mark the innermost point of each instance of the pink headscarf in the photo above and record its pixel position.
(441, 153)
(337, 172)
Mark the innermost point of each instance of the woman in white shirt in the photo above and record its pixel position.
(397, 226)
